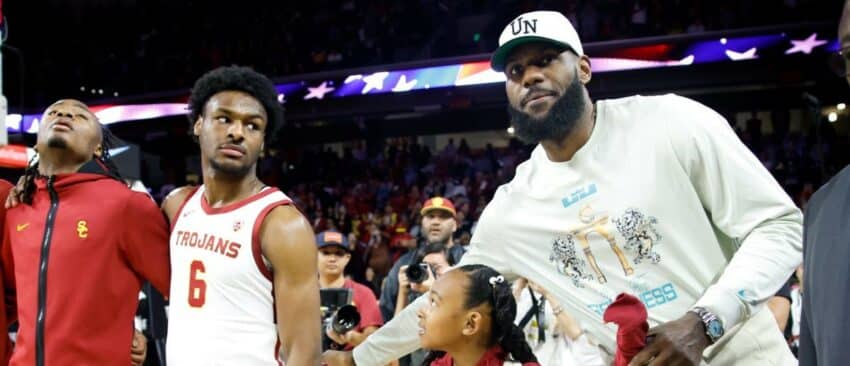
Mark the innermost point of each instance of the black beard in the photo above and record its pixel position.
(231, 170)
(57, 142)
(555, 125)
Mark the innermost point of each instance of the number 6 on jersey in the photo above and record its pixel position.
(197, 286)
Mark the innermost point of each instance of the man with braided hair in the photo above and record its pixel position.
(71, 258)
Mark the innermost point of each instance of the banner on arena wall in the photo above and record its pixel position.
(679, 53)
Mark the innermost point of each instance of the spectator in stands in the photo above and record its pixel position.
(379, 255)
(334, 254)
(437, 226)
(436, 257)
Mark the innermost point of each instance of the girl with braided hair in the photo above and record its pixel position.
(470, 321)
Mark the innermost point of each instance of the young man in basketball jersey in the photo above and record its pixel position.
(243, 258)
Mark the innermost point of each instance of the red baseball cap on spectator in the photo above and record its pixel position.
(438, 203)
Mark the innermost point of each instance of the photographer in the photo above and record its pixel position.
(438, 225)
(334, 255)
(429, 263)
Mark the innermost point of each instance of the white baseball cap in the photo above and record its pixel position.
(536, 26)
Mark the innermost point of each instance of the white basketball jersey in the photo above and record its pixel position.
(221, 309)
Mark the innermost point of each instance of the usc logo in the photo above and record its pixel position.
(82, 229)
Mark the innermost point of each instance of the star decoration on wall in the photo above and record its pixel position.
(319, 91)
(805, 45)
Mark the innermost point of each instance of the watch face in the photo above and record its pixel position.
(715, 330)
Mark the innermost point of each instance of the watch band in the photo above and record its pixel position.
(713, 326)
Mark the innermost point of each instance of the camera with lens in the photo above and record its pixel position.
(338, 314)
(418, 272)
(344, 319)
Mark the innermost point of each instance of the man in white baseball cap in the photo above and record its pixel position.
(547, 27)
(653, 196)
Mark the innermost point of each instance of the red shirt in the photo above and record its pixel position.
(104, 241)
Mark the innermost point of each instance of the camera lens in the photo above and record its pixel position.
(416, 273)
(345, 319)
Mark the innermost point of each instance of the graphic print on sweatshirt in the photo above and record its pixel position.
(605, 250)
(635, 228)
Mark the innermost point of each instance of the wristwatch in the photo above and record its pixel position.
(713, 325)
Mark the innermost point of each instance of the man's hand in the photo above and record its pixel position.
(139, 349)
(15, 194)
(337, 358)
(403, 282)
(679, 342)
(351, 337)
(336, 337)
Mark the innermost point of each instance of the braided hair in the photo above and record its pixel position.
(487, 286)
(107, 142)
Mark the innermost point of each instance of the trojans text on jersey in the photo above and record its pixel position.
(208, 242)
